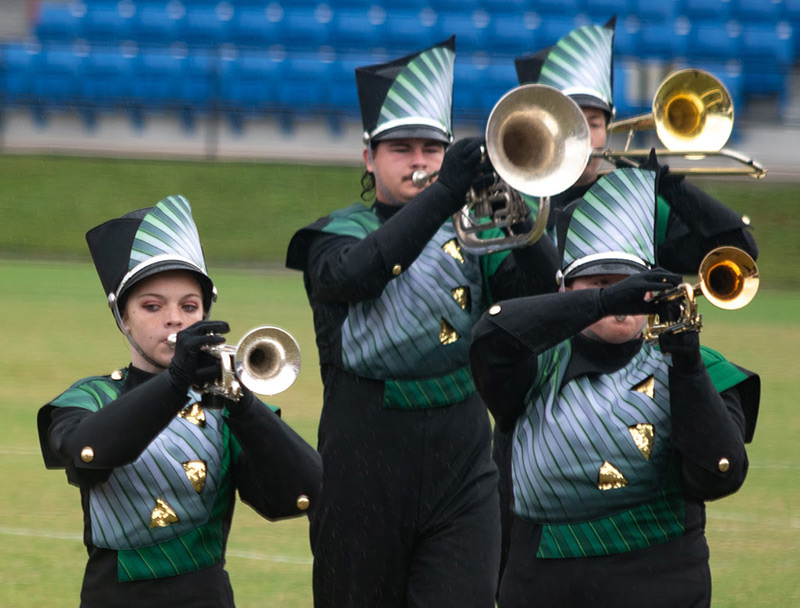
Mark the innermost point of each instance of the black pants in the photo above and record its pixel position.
(408, 514)
(674, 574)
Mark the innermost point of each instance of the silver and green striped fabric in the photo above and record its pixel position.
(568, 432)
(398, 337)
(168, 229)
(581, 62)
(617, 214)
(422, 92)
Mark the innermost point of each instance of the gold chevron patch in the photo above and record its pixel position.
(453, 249)
(196, 472)
(195, 414)
(609, 477)
(163, 515)
(647, 386)
(447, 333)
(462, 296)
(644, 436)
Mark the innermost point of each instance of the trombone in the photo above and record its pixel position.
(692, 114)
(728, 278)
(537, 140)
(266, 360)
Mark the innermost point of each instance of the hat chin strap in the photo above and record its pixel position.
(379, 181)
(126, 333)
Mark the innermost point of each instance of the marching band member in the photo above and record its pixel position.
(408, 512)
(157, 465)
(615, 444)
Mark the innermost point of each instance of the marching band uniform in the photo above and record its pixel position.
(158, 468)
(408, 513)
(614, 447)
(690, 222)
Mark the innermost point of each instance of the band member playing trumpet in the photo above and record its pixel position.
(615, 444)
(157, 469)
(408, 513)
(691, 223)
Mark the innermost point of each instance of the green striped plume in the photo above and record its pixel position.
(168, 230)
(580, 63)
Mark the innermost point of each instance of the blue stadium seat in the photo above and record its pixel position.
(256, 26)
(470, 33)
(342, 92)
(57, 77)
(757, 10)
(198, 88)
(17, 66)
(157, 75)
(306, 28)
(460, 6)
(560, 8)
(157, 23)
(470, 76)
(108, 77)
(249, 82)
(207, 25)
(655, 11)
(108, 21)
(304, 86)
(501, 77)
(767, 43)
(716, 10)
(357, 29)
(511, 34)
(59, 21)
(555, 27)
(713, 40)
(602, 10)
(410, 30)
(509, 6)
(628, 38)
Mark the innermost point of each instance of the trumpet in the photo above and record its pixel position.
(692, 114)
(728, 278)
(266, 360)
(537, 140)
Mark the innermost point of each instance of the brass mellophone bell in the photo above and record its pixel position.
(266, 360)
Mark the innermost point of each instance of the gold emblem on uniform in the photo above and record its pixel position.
(195, 414)
(163, 515)
(447, 333)
(609, 477)
(462, 296)
(647, 387)
(196, 472)
(643, 436)
(87, 454)
(303, 502)
(453, 249)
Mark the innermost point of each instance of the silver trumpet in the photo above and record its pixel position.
(266, 360)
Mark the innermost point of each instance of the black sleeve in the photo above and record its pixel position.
(527, 271)
(119, 432)
(708, 429)
(276, 465)
(697, 224)
(348, 269)
(506, 344)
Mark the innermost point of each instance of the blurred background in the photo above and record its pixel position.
(274, 80)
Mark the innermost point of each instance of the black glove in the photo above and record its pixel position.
(684, 348)
(459, 167)
(627, 296)
(191, 365)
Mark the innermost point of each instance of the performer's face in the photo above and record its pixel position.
(395, 160)
(611, 329)
(597, 134)
(158, 306)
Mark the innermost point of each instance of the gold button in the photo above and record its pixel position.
(303, 502)
(495, 309)
(116, 374)
(397, 269)
(87, 454)
(724, 464)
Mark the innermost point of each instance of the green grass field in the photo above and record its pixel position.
(57, 329)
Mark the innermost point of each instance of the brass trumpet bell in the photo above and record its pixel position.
(728, 278)
(693, 111)
(267, 360)
(538, 140)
